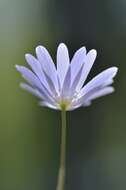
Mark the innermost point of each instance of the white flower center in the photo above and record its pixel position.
(66, 102)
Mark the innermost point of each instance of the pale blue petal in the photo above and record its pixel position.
(33, 62)
(32, 90)
(62, 62)
(101, 92)
(108, 82)
(46, 104)
(93, 94)
(79, 103)
(37, 68)
(75, 81)
(37, 92)
(86, 103)
(102, 79)
(51, 85)
(89, 60)
(77, 61)
(66, 84)
(47, 64)
(74, 107)
(31, 78)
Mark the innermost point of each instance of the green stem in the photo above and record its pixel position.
(61, 175)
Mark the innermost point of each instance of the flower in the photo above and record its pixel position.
(63, 87)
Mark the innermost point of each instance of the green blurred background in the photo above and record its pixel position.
(29, 134)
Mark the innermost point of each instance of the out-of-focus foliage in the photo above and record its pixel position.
(29, 134)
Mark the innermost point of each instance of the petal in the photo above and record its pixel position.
(77, 61)
(79, 103)
(75, 81)
(95, 93)
(33, 62)
(102, 92)
(33, 91)
(66, 84)
(102, 79)
(74, 107)
(86, 103)
(31, 78)
(62, 62)
(47, 64)
(36, 92)
(89, 60)
(51, 84)
(37, 69)
(46, 104)
(108, 82)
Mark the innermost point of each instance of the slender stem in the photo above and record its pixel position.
(61, 175)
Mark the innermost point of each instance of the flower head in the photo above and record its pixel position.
(63, 86)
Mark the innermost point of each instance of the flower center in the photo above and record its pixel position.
(64, 103)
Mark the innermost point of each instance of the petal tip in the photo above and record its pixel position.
(62, 45)
(27, 55)
(18, 67)
(114, 71)
(94, 52)
(84, 48)
(111, 89)
(39, 48)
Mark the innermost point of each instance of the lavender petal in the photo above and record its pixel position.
(101, 92)
(37, 69)
(75, 81)
(66, 84)
(47, 64)
(46, 104)
(31, 90)
(77, 61)
(31, 78)
(102, 79)
(62, 62)
(93, 94)
(89, 60)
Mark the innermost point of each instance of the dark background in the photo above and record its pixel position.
(29, 134)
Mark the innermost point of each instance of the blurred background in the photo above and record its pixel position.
(29, 134)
